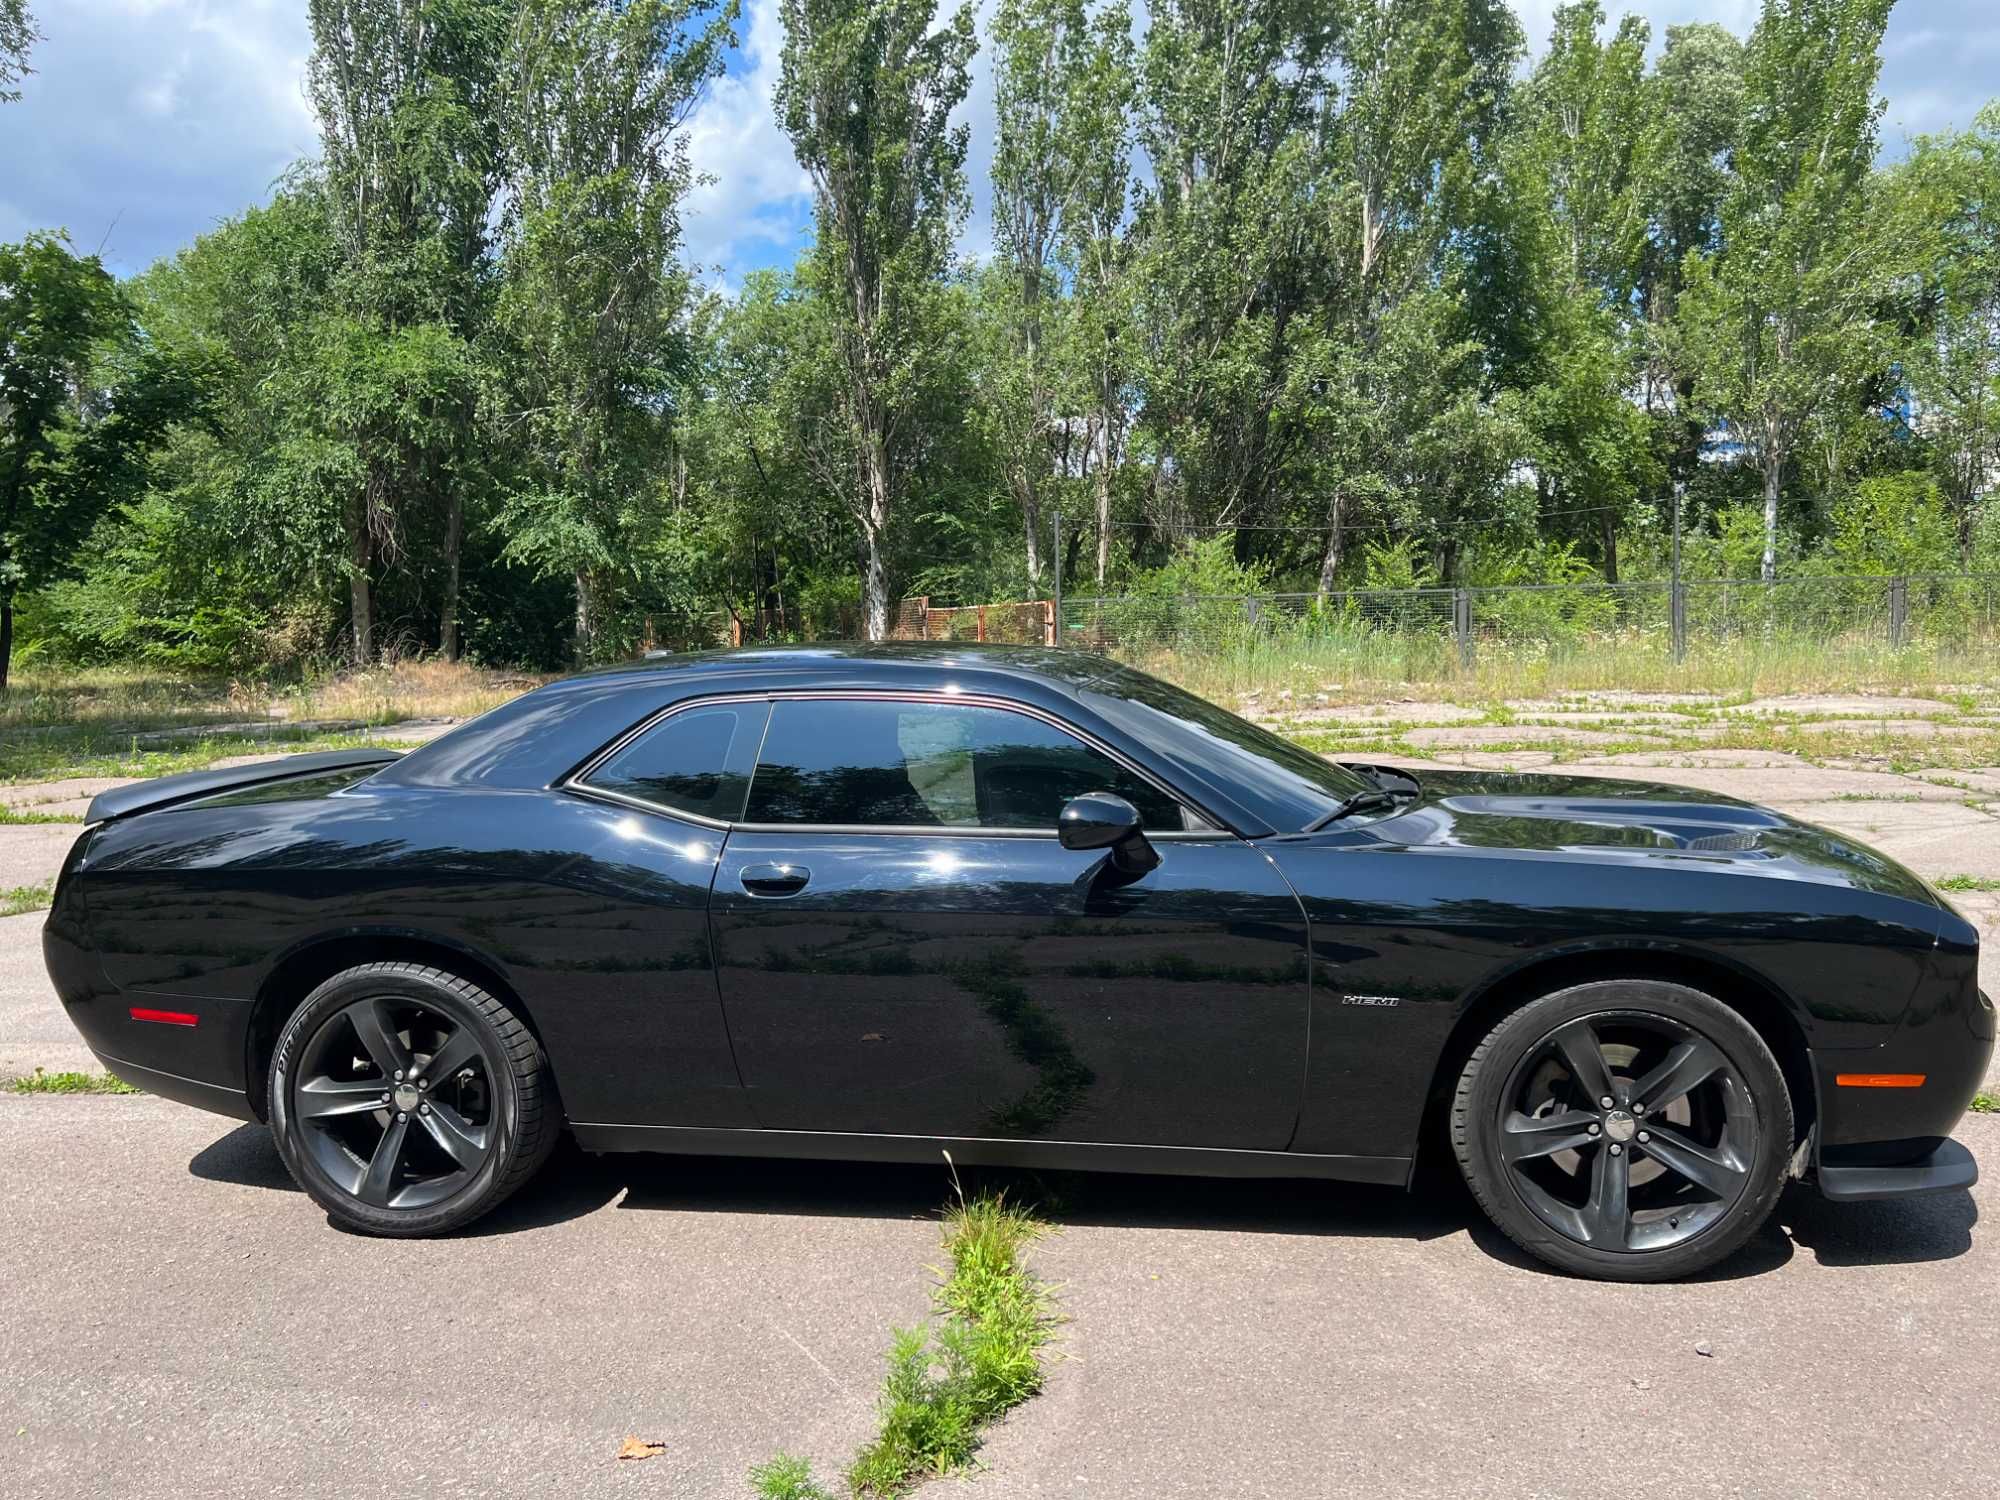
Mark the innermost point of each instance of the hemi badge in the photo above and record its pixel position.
(165, 1017)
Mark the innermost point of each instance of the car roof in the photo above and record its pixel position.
(536, 740)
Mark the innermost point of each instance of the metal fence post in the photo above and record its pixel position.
(1899, 611)
(1461, 624)
(1678, 608)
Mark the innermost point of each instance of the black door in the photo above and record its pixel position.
(905, 948)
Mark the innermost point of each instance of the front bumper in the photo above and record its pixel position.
(1949, 1168)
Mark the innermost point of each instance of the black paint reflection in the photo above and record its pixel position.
(957, 985)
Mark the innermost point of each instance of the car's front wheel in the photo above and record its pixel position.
(1631, 1130)
(408, 1101)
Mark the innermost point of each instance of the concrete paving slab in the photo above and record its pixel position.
(1688, 757)
(31, 853)
(181, 1320)
(67, 797)
(1821, 705)
(1330, 1343)
(1369, 714)
(1472, 737)
(34, 1031)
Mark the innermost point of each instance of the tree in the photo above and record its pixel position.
(1778, 323)
(1100, 91)
(17, 36)
(405, 93)
(1034, 51)
(594, 294)
(82, 401)
(866, 92)
(1407, 127)
(1943, 204)
(1576, 165)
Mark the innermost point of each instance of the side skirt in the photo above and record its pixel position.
(985, 1151)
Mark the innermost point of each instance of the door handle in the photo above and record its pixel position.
(773, 880)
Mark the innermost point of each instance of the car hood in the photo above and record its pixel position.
(1642, 821)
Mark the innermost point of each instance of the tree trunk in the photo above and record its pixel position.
(1031, 519)
(6, 638)
(360, 601)
(1768, 569)
(1608, 528)
(454, 531)
(585, 624)
(874, 522)
(875, 588)
(1331, 560)
(1104, 512)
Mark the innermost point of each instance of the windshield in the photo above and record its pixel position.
(1285, 785)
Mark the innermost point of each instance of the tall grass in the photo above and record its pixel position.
(1377, 665)
(948, 1379)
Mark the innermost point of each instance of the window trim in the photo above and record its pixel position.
(574, 782)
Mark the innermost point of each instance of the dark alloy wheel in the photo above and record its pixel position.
(408, 1101)
(1634, 1130)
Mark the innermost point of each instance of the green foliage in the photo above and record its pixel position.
(982, 1356)
(40, 1082)
(17, 36)
(1343, 289)
(787, 1478)
(85, 400)
(16, 899)
(947, 1380)
(1890, 524)
(866, 93)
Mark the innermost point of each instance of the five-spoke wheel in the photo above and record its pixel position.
(1631, 1129)
(407, 1100)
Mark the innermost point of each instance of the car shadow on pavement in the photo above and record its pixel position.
(575, 1184)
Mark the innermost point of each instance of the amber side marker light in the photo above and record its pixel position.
(1880, 1080)
(165, 1017)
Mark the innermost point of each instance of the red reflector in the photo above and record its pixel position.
(1880, 1080)
(165, 1017)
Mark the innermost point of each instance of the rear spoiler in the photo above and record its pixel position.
(164, 791)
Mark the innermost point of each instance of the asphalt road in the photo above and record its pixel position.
(179, 1320)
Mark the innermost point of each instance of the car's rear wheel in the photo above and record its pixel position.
(408, 1101)
(1631, 1130)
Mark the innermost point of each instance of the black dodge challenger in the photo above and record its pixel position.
(1031, 907)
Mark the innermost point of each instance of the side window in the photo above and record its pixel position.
(882, 763)
(696, 761)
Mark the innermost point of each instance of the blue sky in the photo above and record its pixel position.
(148, 121)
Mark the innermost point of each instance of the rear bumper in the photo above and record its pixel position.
(1948, 1168)
(213, 1097)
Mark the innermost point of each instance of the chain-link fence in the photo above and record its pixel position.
(1422, 633)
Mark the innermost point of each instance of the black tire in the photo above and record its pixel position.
(340, 1108)
(1634, 1191)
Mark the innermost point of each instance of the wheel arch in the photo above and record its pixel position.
(310, 964)
(1771, 1013)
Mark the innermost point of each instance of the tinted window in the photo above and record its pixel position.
(696, 761)
(1284, 783)
(882, 763)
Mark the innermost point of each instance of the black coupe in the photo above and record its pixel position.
(1031, 907)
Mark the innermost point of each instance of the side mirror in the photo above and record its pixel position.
(1098, 820)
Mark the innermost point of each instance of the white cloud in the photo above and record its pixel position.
(160, 117)
(758, 206)
(146, 121)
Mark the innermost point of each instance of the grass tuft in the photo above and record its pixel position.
(1984, 1104)
(16, 899)
(787, 1478)
(1968, 883)
(40, 1082)
(948, 1379)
